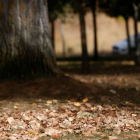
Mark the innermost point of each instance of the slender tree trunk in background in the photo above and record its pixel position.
(128, 35)
(53, 33)
(25, 38)
(85, 61)
(93, 7)
(137, 57)
(63, 37)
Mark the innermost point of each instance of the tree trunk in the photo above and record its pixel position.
(25, 39)
(128, 35)
(93, 7)
(63, 37)
(137, 57)
(53, 33)
(85, 62)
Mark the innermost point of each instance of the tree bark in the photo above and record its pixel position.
(93, 7)
(128, 35)
(85, 61)
(137, 57)
(53, 33)
(25, 38)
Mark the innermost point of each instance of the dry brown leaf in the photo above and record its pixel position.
(139, 135)
(113, 138)
(93, 130)
(55, 101)
(82, 108)
(41, 130)
(55, 136)
(10, 120)
(134, 115)
(113, 91)
(127, 136)
(117, 131)
(87, 133)
(88, 105)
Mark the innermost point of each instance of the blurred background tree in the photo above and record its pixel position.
(115, 8)
(57, 9)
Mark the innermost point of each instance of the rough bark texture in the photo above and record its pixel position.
(25, 40)
(85, 62)
(93, 7)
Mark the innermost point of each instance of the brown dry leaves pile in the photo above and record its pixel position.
(57, 120)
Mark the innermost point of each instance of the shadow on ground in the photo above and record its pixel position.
(102, 67)
(123, 80)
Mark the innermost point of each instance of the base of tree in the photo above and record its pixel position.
(24, 67)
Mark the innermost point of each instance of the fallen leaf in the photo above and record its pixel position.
(31, 133)
(10, 120)
(69, 102)
(88, 133)
(137, 88)
(41, 130)
(85, 100)
(34, 104)
(49, 102)
(117, 131)
(88, 105)
(85, 114)
(129, 103)
(15, 107)
(113, 91)
(55, 101)
(52, 131)
(77, 104)
(113, 137)
(77, 131)
(55, 136)
(93, 130)
(127, 136)
(139, 135)
(134, 115)
(82, 108)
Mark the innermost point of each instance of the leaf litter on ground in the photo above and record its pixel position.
(115, 116)
(58, 121)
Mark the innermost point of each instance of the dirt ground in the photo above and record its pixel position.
(104, 76)
(109, 83)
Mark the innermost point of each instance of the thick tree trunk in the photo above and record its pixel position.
(63, 37)
(93, 7)
(85, 62)
(25, 39)
(128, 35)
(53, 33)
(137, 57)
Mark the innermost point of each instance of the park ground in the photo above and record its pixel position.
(101, 105)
